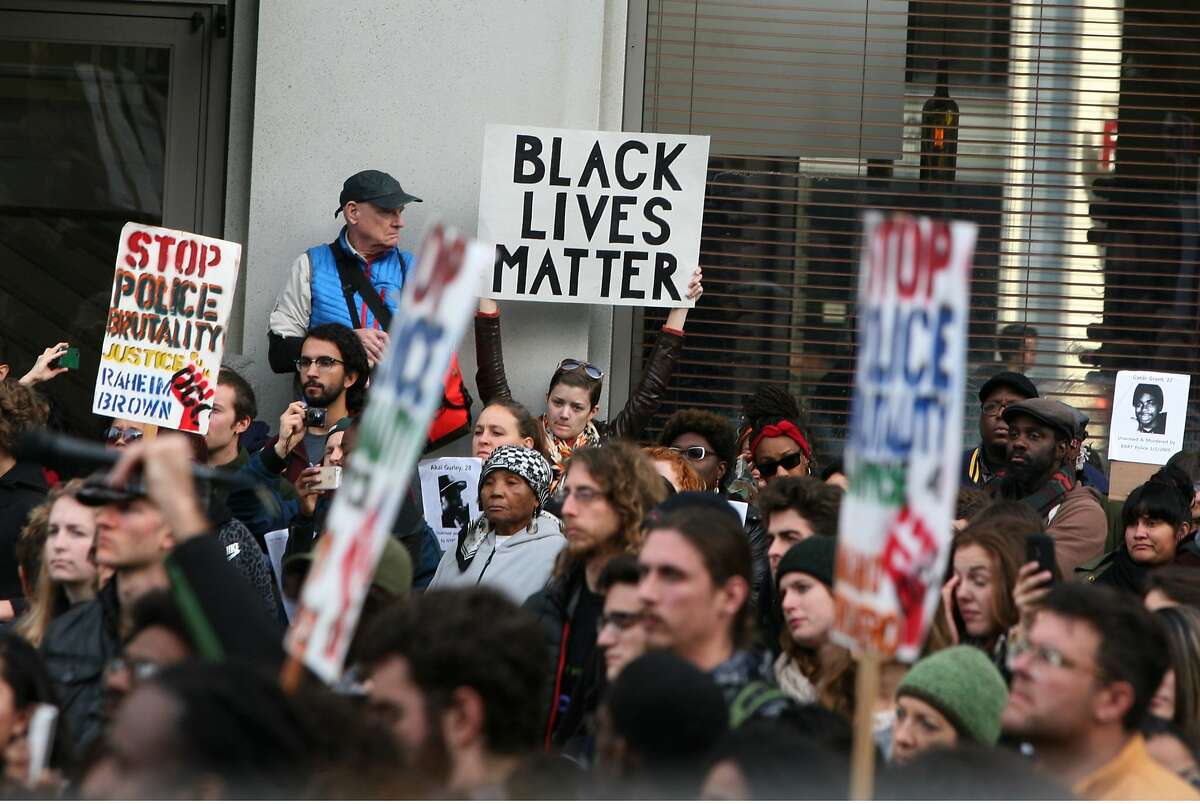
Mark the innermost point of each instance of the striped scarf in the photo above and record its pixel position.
(560, 450)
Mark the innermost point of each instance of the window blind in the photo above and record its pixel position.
(1076, 154)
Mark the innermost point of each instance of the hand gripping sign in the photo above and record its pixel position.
(405, 391)
(165, 331)
(905, 438)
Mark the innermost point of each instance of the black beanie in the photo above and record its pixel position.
(814, 556)
(667, 709)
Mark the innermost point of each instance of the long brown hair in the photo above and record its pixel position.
(1003, 539)
(830, 669)
(49, 598)
(632, 487)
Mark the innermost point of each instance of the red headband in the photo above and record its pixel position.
(782, 428)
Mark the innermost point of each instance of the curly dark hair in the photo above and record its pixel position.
(353, 356)
(715, 429)
(21, 411)
(477, 638)
(818, 502)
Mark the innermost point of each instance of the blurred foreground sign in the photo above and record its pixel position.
(904, 450)
(406, 389)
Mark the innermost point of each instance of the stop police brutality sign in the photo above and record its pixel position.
(592, 216)
(903, 454)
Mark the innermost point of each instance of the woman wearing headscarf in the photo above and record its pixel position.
(512, 545)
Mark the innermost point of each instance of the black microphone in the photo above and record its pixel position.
(42, 446)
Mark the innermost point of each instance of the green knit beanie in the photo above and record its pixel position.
(963, 684)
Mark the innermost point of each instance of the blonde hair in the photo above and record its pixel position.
(49, 599)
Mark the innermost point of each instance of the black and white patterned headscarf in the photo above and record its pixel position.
(527, 464)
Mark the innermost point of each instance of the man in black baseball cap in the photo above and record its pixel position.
(1042, 437)
(980, 465)
(356, 280)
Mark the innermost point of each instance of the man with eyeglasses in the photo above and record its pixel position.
(351, 280)
(332, 370)
(982, 463)
(1083, 675)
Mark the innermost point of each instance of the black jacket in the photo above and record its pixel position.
(224, 615)
(644, 401)
(21, 489)
(554, 607)
(77, 646)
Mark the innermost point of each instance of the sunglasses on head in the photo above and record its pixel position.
(691, 453)
(114, 434)
(788, 462)
(570, 364)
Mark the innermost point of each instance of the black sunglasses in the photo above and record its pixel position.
(570, 364)
(789, 462)
(691, 453)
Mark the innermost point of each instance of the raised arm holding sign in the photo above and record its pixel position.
(573, 396)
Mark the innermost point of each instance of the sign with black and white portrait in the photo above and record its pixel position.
(1147, 416)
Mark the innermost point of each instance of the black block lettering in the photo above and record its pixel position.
(595, 163)
(547, 271)
(664, 268)
(528, 150)
(509, 259)
(622, 178)
(664, 228)
(620, 213)
(628, 271)
(662, 165)
(527, 230)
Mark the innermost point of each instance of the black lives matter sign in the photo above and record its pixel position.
(601, 217)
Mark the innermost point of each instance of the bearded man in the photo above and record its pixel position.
(605, 494)
(1037, 472)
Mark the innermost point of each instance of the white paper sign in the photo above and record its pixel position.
(450, 496)
(600, 217)
(165, 334)
(903, 453)
(1147, 416)
(406, 389)
(276, 546)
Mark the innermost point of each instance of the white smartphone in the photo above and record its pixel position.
(329, 479)
(41, 740)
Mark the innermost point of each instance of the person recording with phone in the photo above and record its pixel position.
(978, 607)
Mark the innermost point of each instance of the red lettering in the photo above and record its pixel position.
(137, 246)
(185, 257)
(442, 266)
(164, 248)
(214, 258)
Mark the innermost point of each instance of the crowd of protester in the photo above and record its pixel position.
(633, 614)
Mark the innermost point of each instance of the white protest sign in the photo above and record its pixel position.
(276, 546)
(450, 496)
(902, 456)
(1148, 416)
(165, 334)
(406, 389)
(600, 217)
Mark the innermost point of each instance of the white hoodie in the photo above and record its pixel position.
(519, 565)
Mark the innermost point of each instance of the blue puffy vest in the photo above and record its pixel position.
(387, 275)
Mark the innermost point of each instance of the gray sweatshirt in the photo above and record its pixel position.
(519, 565)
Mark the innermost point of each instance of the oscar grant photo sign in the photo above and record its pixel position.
(406, 390)
(904, 449)
(165, 332)
(597, 217)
